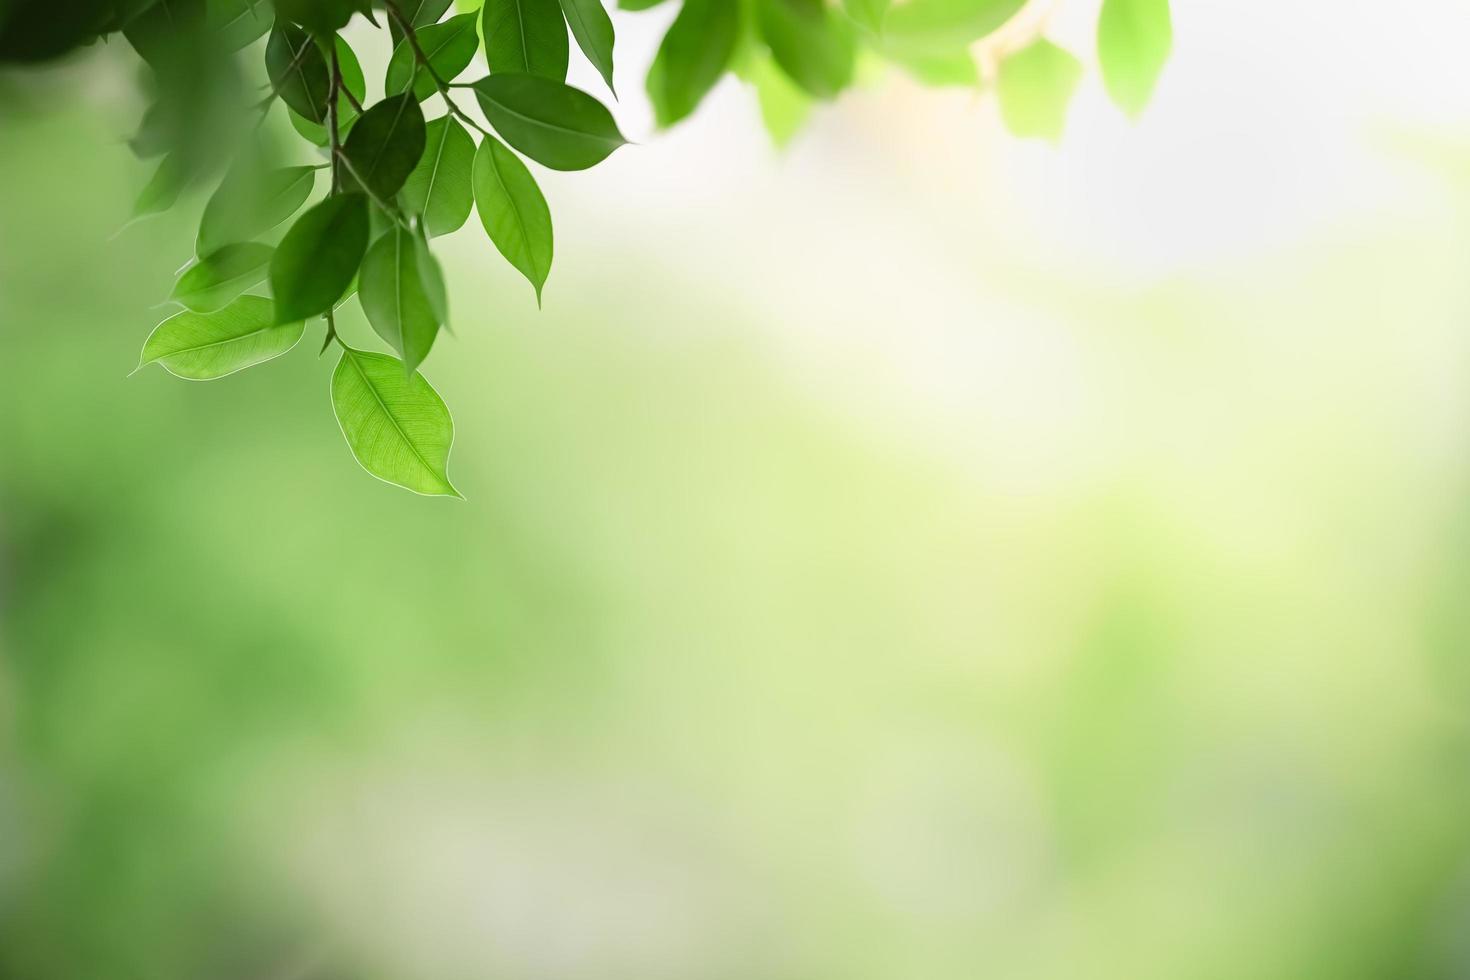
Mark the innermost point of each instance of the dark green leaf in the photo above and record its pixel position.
(315, 262)
(397, 426)
(1133, 42)
(439, 187)
(298, 71)
(552, 123)
(321, 17)
(525, 36)
(352, 81)
(237, 22)
(593, 29)
(386, 144)
(638, 4)
(693, 56)
(513, 211)
(419, 13)
(393, 297)
(814, 48)
(249, 202)
(450, 47)
(205, 346)
(219, 277)
(1034, 87)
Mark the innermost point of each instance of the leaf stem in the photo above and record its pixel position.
(412, 37)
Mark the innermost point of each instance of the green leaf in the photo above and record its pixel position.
(450, 47)
(937, 70)
(320, 17)
(315, 262)
(162, 189)
(525, 36)
(693, 56)
(513, 211)
(393, 297)
(298, 70)
(352, 81)
(237, 22)
(431, 277)
(1035, 86)
(868, 14)
(249, 202)
(638, 4)
(814, 48)
(386, 144)
(1133, 42)
(397, 426)
(224, 274)
(784, 107)
(944, 25)
(439, 186)
(593, 29)
(552, 123)
(205, 346)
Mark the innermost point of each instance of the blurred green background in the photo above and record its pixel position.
(914, 554)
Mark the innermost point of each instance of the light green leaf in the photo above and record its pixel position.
(439, 187)
(397, 426)
(552, 123)
(205, 346)
(222, 275)
(513, 211)
(1035, 86)
(1133, 42)
(431, 277)
(298, 70)
(935, 69)
(941, 26)
(638, 4)
(693, 56)
(814, 48)
(525, 36)
(593, 29)
(393, 297)
(784, 107)
(450, 47)
(315, 262)
(386, 144)
(868, 14)
(237, 22)
(162, 189)
(249, 202)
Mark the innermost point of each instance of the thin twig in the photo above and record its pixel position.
(412, 37)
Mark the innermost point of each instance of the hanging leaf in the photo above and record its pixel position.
(320, 17)
(525, 36)
(450, 47)
(867, 14)
(1035, 87)
(315, 262)
(784, 107)
(205, 346)
(237, 23)
(513, 211)
(419, 13)
(249, 203)
(386, 144)
(397, 426)
(552, 123)
(1133, 42)
(224, 274)
(439, 186)
(162, 189)
(693, 56)
(814, 48)
(593, 29)
(353, 82)
(431, 278)
(393, 298)
(298, 71)
(943, 26)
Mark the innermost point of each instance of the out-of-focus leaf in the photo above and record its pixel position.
(298, 71)
(1035, 86)
(163, 188)
(810, 45)
(525, 36)
(944, 25)
(395, 423)
(552, 123)
(513, 211)
(868, 14)
(1133, 42)
(315, 262)
(934, 69)
(393, 298)
(693, 56)
(249, 202)
(784, 107)
(386, 144)
(205, 346)
(593, 29)
(439, 187)
(222, 275)
(450, 47)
